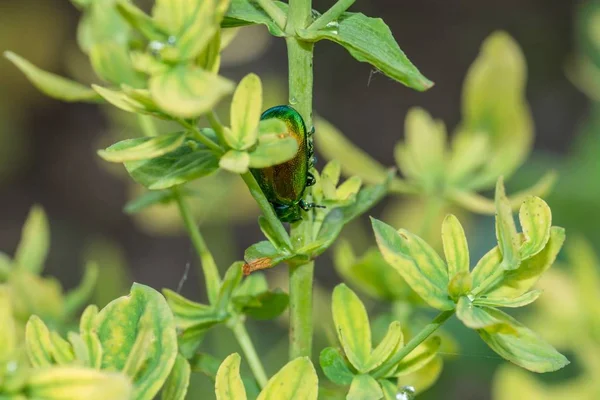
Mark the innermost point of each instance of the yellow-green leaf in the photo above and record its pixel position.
(423, 378)
(77, 383)
(142, 148)
(176, 386)
(393, 341)
(419, 357)
(506, 231)
(460, 285)
(473, 316)
(8, 333)
(246, 108)
(456, 249)
(417, 262)
(364, 387)
(228, 384)
(352, 326)
(297, 380)
(536, 219)
(35, 242)
(235, 161)
(523, 300)
(37, 343)
(111, 61)
(522, 346)
(486, 266)
(273, 152)
(188, 92)
(118, 326)
(120, 100)
(53, 85)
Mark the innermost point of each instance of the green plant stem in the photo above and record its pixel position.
(147, 125)
(241, 334)
(266, 208)
(300, 64)
(419, 338)
(273, 11)
(331, 15)
(203, 139)
(215, 123)
(209, 267)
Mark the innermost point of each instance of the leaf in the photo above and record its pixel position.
(209, 366)
(62, 352)
(418, 264)
(269, 233)
(515, 283)
(35, 242)
(140, 21)
(506, 231)
(273, 152)
(364, 387)
(371, 273)
(188, 92)
(176, 386)
(174, 168)
(190, 314)
(423, 378)
(142, 148)
(245, 113)
(263, 255)
(235, 161)
(246, 12)
(118, 326)
(8, 333)
(472, 316)
(53, 85)
(523, 300)
(393, 341)
(370, 40)
(330, 229)
(231, 281)
(228, 385)
(76, 383)
(494, 103)
(536, 220)
(460, 285)
(173, 16)
(297, 380)
(120, 100)
(334, 366)
(456, 249)
(367, 198)
(111, 61)
(271, 305)
(37, 343)
(419, 357)
(486, 266)
(523, 347)
(354, 161)
(80, 296)
(148, 199)
(352, 326)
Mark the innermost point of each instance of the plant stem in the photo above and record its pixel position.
(241, 334)
(147, 125)
(331, 15)
(209, 267)
(419, 338)
(273, 11)
(433, 207)
(203, 139)
(215, 123)
(300, 64)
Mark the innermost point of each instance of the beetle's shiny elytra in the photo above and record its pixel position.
(284, 184)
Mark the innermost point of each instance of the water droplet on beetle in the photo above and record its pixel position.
(406, 393)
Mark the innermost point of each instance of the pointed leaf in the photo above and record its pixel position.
(523, 300)
(418, 264)
(486, 266)
(188, 92)
(472, 316)
(506, 231)
(231, 281)
(393, 341)
(297, 380)
(142, 148)
(37, 343)
(246, 108)
(334, 366)
(456, 249)
(244, 12)
(189, 314)
(120, 100)
(35, 242)
(536, 219)
(330, 230)
(370, 40)
(176, 386)
(352, 326)
(522, 347)
(419, 357)
(364, 387)
(263, 255)
(228, 385)
(53, 85)
(140, 21)
(76, 383)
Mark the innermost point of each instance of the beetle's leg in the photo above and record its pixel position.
(307, 206)
(310, 179)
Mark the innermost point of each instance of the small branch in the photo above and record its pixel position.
(331, 15)
(209, 267)
(267, 209)
(203, 139)
(419, 338)
(241, 334)
(301, 308)
(276, 14)
(216, 125)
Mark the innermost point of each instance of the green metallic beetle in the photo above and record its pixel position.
(284, 184)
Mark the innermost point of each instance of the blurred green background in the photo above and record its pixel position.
(48, 148)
